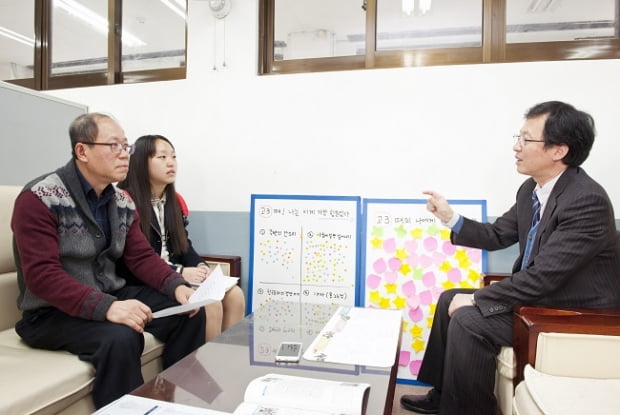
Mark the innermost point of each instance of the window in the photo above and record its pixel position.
(311, 35)
(72, 43)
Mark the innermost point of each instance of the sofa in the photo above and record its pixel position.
(38, 381)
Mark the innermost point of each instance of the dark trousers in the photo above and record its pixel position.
(114, 349)
(460, 356)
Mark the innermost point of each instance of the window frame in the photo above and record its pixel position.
(494, 48)
(43, 79)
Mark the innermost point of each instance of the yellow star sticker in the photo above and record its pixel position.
(445, 266)
(417, 345)
(432, 308)
(429, 322)
(444, 234)
(405, 268)
(416, 331)
(390, 288)
(385, 303)
(474, 276)
(399, 302)
(465, 284)
(447, 285)
(460, 254)
(401, 253)
(374, 297)
(465, 263)
(416, 233)
(376, 243)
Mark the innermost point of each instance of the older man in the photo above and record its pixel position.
(70, 227)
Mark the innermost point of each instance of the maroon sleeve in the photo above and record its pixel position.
(35, 231)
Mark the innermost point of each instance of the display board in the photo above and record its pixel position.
(408, 261)
(304, 248)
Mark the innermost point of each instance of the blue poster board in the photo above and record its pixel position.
(408, 261)
(304, 248)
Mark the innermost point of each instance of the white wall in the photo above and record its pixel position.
(373, 133)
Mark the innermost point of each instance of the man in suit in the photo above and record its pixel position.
(570, 260)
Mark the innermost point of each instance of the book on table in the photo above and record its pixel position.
(277, 394)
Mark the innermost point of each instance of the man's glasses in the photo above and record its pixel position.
(116, 148)
(522, 141)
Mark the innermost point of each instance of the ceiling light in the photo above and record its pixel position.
(97, 22)
(16, 36)
(177, 6)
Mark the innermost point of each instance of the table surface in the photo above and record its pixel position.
(215, 376)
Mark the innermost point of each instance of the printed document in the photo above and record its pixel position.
(210, 291)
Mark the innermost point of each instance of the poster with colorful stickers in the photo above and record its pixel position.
(304, 248)
(408, 261)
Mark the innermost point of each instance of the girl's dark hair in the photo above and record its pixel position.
(138, 184)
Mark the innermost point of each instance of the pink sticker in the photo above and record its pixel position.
(455, 275)
(411, 246)
(394, 264)
(413, 260)
(379, 266)
(390, 277)
(413, 302)
(475, 255)
(430, 244)
(426, 297)
(425, 261)
(448, 248)
(414, 367)
(389, 245)
(428, 279)
(373, 281)
(403, 359)
(416, 314)
(408, 288)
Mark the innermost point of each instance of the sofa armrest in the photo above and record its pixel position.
(491, 278)
(529, 322)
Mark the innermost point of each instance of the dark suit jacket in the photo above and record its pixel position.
(574, 260)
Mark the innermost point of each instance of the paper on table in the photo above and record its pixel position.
(210, 291)
(358, 336)
(132, 405)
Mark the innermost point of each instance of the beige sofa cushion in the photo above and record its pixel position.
(563, 395)
(7, 200)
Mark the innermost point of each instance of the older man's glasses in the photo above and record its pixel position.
(116, 148)
(523, 141)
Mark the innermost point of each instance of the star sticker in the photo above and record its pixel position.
(399, 302)
(376, 243)
(374, 297)
(405, 268)
(432, 229)
(377, 231)
(416, 331)
(447, 285)
(400, 253)
(390, 288)
(444, 234)
(418, 345)
(416, 233)
(385, 303)
(445, 266)
(401, 232)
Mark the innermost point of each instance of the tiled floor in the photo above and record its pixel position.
(406, 390)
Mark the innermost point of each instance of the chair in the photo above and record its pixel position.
(553, 342)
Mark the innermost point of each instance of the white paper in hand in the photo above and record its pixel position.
(210, 291)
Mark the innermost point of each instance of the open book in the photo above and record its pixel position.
(210, 291)
(293, 395)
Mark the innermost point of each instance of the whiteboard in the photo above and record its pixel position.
(408, 261)
(35, 133)
(304, 248)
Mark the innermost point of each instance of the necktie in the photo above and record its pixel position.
(532, 232)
